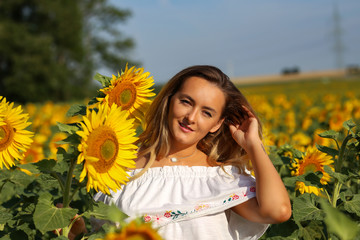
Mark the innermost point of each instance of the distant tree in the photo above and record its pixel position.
(49, 49)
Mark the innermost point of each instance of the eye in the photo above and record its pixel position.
(208, 114)
(185, 101)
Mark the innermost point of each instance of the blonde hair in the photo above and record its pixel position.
(220, 147)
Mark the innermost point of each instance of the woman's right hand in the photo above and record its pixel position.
(247, 132)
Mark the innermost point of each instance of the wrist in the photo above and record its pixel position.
(255, 145)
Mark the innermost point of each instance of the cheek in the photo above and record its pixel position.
(173, 112)
(177, 111)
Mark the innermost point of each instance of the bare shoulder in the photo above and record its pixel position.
(140, 162)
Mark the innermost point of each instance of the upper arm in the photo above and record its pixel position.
(251, 211)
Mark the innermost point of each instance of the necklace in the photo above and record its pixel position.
(175, 159)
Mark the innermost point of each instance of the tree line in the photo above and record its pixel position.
(49, 50)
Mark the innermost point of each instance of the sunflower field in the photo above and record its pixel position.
(55, 156)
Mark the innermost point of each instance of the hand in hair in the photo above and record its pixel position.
(247, 132)
(272, 203)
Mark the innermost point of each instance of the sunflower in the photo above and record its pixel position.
(135, 231)
(14, 139)
(314, 160)
(300, 139)
(130, 90)
(107, 148)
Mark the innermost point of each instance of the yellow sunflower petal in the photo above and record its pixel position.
(14, 139)
(314, 160)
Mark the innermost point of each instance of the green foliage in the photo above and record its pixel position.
(334, 214)
(48, 49)
(29, 208)
(338, 223)
(47, 217)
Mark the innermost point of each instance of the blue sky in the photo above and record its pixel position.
(241, 37)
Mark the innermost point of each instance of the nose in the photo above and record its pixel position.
(191, 116)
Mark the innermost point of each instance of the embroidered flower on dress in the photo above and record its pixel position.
(234, 196)
(201, 206)
(174, 215)
(147, 218)
(167, 214)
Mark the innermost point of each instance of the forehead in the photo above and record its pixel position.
(203, 91)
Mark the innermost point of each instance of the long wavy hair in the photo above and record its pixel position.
(219, 146)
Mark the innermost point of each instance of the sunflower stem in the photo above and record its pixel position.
(341, 153)
(66, 194)
(65, 231)
(61, 182)
(336, 193)
(328, 196)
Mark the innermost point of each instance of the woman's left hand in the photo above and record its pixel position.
(247, 132)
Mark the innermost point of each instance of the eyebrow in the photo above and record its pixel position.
(193, 101)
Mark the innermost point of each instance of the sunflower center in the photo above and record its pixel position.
(108, 150)
(310, 167)
(103, 144)
(124, 95)
(6, 136)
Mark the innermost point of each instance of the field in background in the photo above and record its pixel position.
(311, 86)
(298, 76)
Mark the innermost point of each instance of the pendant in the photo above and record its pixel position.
(173, 159)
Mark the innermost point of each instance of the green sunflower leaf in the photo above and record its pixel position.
(104, 80)
(310, 179)
(305, 209)
(349, 124)
(5, 215)
(47, 217)
(330, 151)
(338, 223)
(342, 178)
(329, 134)
(312, 231)
(353, 206)
(276, 159)
(103, 211)
(285, 230)
(71, 139)
(69, 128)
(45, 165)
(297, 153)
(63, 160)
(76, 109)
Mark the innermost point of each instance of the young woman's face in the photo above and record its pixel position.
(194, 111)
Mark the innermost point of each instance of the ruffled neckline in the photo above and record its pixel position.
(183, 171)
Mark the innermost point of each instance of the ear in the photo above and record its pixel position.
(217, 126)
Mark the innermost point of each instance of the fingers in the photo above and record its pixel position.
(232, 129)
(248, 112)
(236, 132)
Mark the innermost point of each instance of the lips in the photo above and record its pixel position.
(185, 127)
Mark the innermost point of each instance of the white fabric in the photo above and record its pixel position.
(190, 202)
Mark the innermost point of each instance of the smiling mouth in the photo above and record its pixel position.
(185, 127)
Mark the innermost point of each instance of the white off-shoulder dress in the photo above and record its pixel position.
(190, 202)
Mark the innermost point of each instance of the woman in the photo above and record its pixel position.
(192, 172)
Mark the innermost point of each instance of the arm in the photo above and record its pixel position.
(272, 203)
